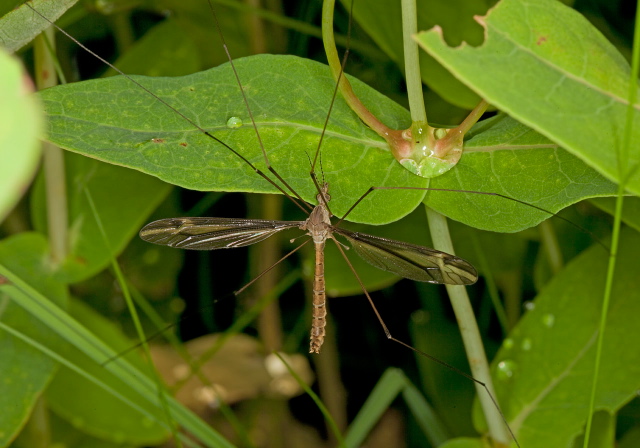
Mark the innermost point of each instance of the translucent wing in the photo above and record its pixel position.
(411, 261)
(211, 233)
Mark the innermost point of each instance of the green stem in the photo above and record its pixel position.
(393, 137)
(412, 62)
(551, 246)
(456, 135)
(470, 333)
(53, 157)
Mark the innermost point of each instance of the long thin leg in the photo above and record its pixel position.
(420, 352)
(484, 193)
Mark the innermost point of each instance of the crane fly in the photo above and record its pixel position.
(407, 260)
(410, 261)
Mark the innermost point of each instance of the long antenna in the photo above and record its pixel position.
(246, 102)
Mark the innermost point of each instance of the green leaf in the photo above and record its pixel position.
(504, 156)
(22, 25)
(548, 407)
(382, 20)
(548, 67)
(122, 212)
(25, 370)
(81, 338)
(20, 130)
(112, 420)
(130, 128)
(289, 97)
(66, 436)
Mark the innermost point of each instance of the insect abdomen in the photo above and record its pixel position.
(319, 320)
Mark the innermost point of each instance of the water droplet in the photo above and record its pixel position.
(548, 320)
(526, 344)
(234, 122)
(506, 369)
(440, 133)
(529, 305)
(507, 343)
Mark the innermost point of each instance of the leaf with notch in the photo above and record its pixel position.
(548, 67)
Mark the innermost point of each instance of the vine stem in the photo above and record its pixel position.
(442, 240)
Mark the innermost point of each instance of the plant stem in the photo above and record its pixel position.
(551, 246)
(442, 240)
(470, 332)
(412, 62)
(393, 137)
(53, 157)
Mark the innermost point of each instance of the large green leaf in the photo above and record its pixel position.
(25, 371)
(548, 67)
(115, 121)
(545, 367)
(22, 25)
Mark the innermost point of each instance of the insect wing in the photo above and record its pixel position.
(211, 233)
(411, 261)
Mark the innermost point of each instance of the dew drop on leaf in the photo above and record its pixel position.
(506, 370)
(529, 305)
(548, 320)
(508, 343)
(234, 122)
(526, 344)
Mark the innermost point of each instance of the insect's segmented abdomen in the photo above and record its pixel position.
(319, 320)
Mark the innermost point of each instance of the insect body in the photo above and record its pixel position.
(407, 260)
